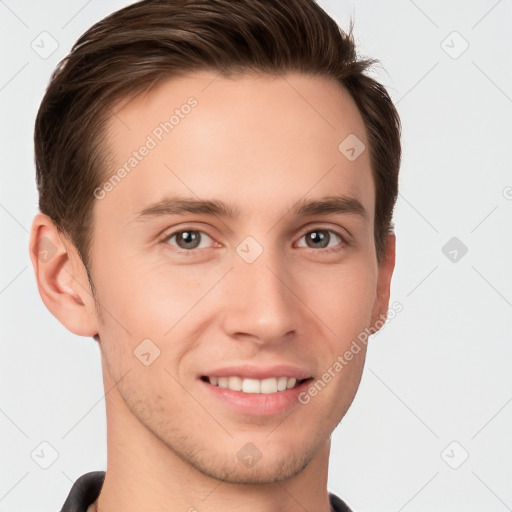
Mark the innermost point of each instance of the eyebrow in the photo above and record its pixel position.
(302, 208)
(330, 205)
(181, 206)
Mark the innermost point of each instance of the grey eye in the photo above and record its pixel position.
(188, 239)
(320, 239)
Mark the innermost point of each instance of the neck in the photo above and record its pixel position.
(143, 473)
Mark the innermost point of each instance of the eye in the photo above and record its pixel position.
(322, 239)
(188, 239)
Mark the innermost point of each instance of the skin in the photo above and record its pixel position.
(260, 144)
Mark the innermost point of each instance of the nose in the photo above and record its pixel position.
(260, 303)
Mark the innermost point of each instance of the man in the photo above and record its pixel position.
(217, 181)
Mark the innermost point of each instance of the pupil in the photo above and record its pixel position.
(190, 239)
(321, 238)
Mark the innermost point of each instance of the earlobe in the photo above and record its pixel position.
(61, 277)
(385, 272)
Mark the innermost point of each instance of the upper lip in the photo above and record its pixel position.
(255, 372)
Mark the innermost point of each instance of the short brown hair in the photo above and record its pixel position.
(136, 47)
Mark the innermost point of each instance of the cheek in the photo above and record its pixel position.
(144, 301)
(148, 295)
(342, 297)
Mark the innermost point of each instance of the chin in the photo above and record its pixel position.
(277, 469)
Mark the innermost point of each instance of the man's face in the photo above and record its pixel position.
(235, 296)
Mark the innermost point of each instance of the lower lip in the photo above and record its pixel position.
(260, 404)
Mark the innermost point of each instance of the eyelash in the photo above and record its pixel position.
(190, 252)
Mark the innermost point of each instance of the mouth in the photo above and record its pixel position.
(255, 390)
(266, 386)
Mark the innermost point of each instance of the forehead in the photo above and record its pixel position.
(254, 141)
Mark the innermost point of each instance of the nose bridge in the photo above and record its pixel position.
(260, 302)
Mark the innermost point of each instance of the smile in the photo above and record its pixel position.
(247, 385)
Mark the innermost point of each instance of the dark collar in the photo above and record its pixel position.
(87, 488)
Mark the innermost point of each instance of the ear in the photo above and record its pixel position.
(62, 278)
(385, 272)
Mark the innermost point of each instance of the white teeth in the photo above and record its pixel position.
(281, 383)
(269, 385)
(266, 386)
(251, 386)
(235, 383)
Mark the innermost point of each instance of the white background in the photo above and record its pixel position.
(439, 372)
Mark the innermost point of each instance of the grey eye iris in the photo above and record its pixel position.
(188, 239)
(320, 239)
